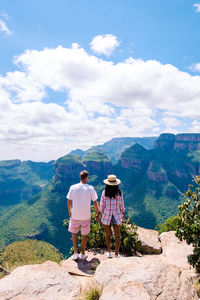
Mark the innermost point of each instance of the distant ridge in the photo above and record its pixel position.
(116, 146)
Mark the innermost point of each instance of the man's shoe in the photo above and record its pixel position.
(108, 254)
(83, 256)
(75, 256)
(117, 255)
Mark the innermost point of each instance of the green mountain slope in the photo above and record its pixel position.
(20, 180)
(42, 216)
(155, 180)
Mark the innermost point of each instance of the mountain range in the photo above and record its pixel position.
(113, 148)
(153, 183)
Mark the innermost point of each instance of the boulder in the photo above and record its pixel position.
(150, 241)
(148, 277)
(175, 251)
(47, 281)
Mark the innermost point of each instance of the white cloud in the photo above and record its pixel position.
(22, 87)
(103, 100)
(171, 124)
(104, 44)
(195, 126)
(4, 28)
(197, 7)
(94, 81)
(195, 67)
(4, 15)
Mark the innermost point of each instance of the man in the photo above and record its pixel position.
(79, 208)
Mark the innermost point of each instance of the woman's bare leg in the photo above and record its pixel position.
(117, 238)
(107, 236)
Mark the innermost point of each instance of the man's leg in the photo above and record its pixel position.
(117, 238)
(73, 228)
(85, 230)
(83, 243)
(107, 236)
(75, 242)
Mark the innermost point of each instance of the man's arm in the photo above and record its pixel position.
(69, 206)
(98, 213)
(96, 206)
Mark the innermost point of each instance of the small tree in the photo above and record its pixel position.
(170, 224)
(130, 242)
(188, 226)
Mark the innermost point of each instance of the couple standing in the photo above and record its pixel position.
(79, 208)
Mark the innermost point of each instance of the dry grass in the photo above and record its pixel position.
(94, 293)
(197, 286)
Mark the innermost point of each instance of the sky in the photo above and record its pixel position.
(78, 73)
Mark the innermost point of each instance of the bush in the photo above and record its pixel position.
(170, 224)
(28, 252)
(93, 293)
(188, 227)
(96, 238)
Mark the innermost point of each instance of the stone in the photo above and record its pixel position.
(47, 281)
(4, 271)
(150, 241)
(130, 290)
(174, 250)
(149, 277)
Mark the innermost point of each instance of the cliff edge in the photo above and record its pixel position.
(161, 276)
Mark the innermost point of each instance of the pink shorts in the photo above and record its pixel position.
(75, 224)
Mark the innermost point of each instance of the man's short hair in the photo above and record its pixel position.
(84, 174)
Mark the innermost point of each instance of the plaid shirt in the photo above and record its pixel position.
(111, 207)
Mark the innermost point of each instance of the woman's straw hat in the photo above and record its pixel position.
(112, 180)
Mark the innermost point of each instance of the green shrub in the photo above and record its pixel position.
(170, 224)
(93, 293)
(28, 252)
(188, 227)
(96, 238)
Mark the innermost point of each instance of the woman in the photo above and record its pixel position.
(113, 211)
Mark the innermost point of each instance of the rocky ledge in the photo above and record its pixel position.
(179, 142)
(161, 276)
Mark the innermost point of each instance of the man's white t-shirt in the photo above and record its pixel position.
(81, 195)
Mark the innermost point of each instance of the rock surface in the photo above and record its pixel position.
(130, 290)
(41, 281)
(150, 241)
(165, 276)
(147, 277)
(174, 250)
(84, 267)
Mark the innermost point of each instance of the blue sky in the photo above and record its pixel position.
(156, 90)
(167, 31)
